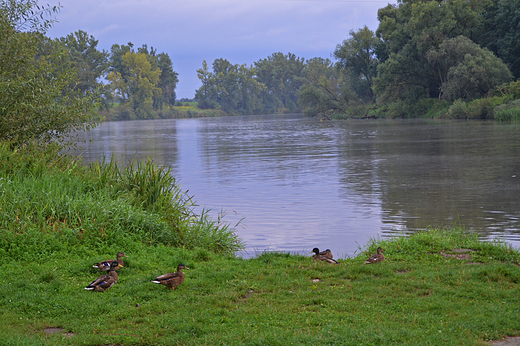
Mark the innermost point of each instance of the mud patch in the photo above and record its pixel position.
(247, 295)
(509, 341)
(460, 254)
(52, 330)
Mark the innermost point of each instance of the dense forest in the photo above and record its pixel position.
(427, 58)
(456, 59)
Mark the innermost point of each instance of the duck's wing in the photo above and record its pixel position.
(100, 280)
(108, 283)
(167, 276)
(327, 253)
(372, 259)
(103, 265)
(324, 259)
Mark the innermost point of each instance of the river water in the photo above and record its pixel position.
(300, 183)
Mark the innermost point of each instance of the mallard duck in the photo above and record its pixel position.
(377, 257)
(327, 253)
(105, 265)
(320, 256)
(104, 282)
(171, 280)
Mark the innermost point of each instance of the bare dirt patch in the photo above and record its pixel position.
(460, 254)
(509, 341)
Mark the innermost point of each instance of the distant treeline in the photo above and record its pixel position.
(433, 58)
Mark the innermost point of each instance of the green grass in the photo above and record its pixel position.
(51, 205)
(417, 296)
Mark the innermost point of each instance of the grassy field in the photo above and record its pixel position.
(418, 295)
(57, 218)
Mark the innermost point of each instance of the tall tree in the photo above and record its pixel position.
(408, 31)
(204, 94)
(465, 70)
(502, 32)
(36, 101)
(328, 90)
(358, 53)
(90, 63)
(140, 85)
(168, 79)
(283, 76)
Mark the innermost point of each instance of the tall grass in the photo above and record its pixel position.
(50, 203)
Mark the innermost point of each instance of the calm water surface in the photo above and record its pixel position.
(301, 183)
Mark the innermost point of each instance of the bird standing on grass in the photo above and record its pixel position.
(105, 265)
(171, 280)
(377, 257)
(104, 282)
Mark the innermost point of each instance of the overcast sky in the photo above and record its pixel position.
(241, 31)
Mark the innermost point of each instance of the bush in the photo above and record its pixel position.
(508, 112)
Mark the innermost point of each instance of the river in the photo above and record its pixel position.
(300, 183)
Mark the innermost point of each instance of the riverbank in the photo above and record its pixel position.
(427, 291)
(121, 112)
(59, 217)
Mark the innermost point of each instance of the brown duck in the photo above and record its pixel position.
(325, 256)
(105, 265)
(377, 257)
(171, 280)
(104, 282)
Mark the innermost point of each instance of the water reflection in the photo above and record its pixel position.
(302, 183)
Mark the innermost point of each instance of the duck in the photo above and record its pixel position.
(377, 257)
(104, 282)
(322, 256)
(326, 253)
(171, 280)
(105, 265)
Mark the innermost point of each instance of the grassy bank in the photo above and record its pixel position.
(58, 217)
(120, 112)
(419, 295)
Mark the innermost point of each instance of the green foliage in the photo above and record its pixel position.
(50, 204)
(143, 81)
(501, 35)
(508, 112)
(138, 85)
(231, 88)
(36, 103)
(90, 63)
(408, 31)
(282, 75)
(358, 54)
(469, 71)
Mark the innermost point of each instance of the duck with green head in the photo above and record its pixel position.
(325, 256)
(105, 265)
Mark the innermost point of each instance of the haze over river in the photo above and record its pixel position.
(301, 183)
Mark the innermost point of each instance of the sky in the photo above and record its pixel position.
(241, 31)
